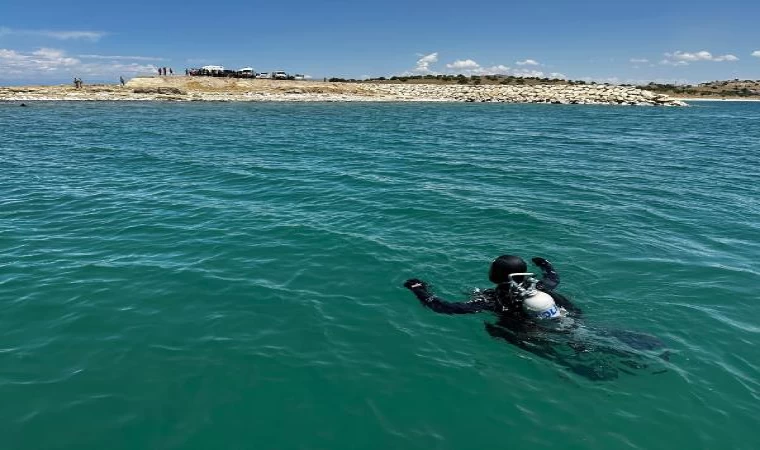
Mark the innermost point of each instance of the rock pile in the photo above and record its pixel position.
(159, 90)
(220, 89)
(556, 94)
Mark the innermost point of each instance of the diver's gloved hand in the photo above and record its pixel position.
(415, 284)
(419, 288)
(542, 263)
(550, 279)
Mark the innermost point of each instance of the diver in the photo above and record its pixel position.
(535, 318)
(517, 295)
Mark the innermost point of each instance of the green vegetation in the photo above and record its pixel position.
(461, 79)
(731, 88)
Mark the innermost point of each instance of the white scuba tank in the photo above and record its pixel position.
(536, 304)
(540, 306)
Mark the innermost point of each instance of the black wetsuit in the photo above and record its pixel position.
(515, 327)
(498, 300)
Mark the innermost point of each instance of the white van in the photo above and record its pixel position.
(213, 69)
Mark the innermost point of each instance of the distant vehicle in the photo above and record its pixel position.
(280, 75)
(246, 72)
(213, 69)
(263, 75)
(298, 76)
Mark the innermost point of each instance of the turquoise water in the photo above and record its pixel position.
(229, 275)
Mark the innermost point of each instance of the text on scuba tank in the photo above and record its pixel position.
(548, 313)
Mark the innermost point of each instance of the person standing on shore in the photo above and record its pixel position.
(171, 72)
(121, 80)
(159, 71)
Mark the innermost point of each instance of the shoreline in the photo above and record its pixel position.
(182, 88)
(716, 99)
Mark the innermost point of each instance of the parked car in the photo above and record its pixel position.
(213, 68)
(246, 72)
(280, 75)
(263, 75)
(299, 76)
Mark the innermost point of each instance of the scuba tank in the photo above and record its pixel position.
(536, 304)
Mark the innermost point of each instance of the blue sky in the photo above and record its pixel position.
(53, 41)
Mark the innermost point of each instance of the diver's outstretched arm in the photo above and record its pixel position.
(550, 279)
(420, 289)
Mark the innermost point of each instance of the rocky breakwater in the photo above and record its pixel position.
(555, 94)
(221, 89)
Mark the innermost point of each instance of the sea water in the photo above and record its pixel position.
(228, 275)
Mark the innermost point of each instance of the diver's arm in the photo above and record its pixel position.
(420, 290)
(550, 281)
(550, 278)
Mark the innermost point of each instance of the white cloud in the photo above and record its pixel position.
(48, 62)
(527, 73)
(471, 67)
(465, 64)
(42, 60)
(495, 70)
(639, 60)
(685, 56)
(9, 54)
(703, 55)
(52, 58)
(756, 53)
(60, 35)
(66, 35)
(423, 64)
(491, 70)
(117, 57)
(528, 62)
(667, 62)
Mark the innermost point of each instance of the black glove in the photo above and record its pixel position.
(415, 284)
(550, 279)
